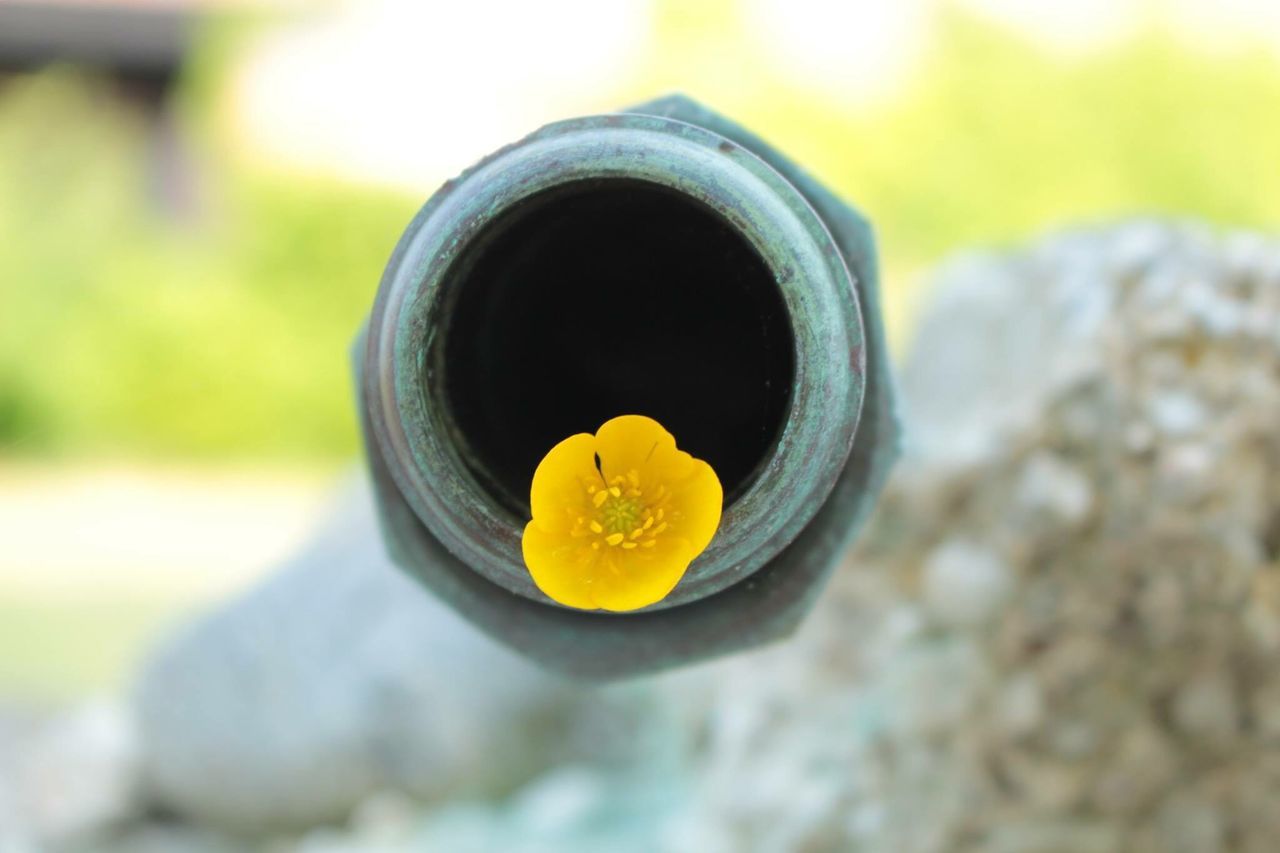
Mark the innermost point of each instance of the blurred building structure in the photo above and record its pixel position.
(141, 43)
(139, 46)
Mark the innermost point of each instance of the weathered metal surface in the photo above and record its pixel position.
(780, 538)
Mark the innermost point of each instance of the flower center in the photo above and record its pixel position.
(620, 515)
(626, 516)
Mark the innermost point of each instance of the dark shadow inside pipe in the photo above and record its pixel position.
(603, 298)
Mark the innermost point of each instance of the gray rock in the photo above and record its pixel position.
(1055, 837)
(1205, 707)
(1020, 706)
(964, 583)
(336, 677)
(71, 777)
(1141, 767)
(164, 838)
(1052, 492)
(1177, 413)
(1190, 825)
(996, 340)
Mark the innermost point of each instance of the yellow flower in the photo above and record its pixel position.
(618, 516)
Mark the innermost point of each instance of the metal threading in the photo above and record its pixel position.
(433, 461)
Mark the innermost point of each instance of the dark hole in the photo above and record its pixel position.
(605, 298)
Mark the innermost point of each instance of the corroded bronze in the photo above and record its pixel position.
(659, 261)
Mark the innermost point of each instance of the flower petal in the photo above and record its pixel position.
(629, 580)
(697, 501)
(559, 491)
(629, 442)
(561, 567)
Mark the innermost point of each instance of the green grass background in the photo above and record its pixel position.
(225, 334)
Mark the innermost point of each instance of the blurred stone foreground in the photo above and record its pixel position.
(1060, 633)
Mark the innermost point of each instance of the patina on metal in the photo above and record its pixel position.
(658, 261)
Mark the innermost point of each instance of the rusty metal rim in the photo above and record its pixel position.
(767, 210)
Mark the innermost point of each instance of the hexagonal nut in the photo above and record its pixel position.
(766, 603)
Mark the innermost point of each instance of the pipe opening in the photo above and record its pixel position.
(602, 298)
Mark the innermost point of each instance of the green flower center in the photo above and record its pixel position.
(621, 515)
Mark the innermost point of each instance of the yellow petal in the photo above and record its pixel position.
(559, 495)
(637, 578)
(670, 463)
(562, 567)
(697, 500)
(629, 442)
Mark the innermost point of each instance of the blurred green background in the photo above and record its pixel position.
(174, 293)
(226, 334)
